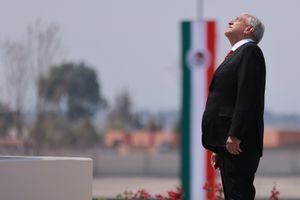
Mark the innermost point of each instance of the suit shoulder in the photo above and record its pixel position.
(252, 47)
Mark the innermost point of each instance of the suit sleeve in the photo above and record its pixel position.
(250, 92)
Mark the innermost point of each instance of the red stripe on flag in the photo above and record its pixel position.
(211, 46)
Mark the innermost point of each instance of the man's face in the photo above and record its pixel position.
(237, 28)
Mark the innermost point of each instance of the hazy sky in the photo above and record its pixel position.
(135, 44)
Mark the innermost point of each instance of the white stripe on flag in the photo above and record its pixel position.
(198, 92)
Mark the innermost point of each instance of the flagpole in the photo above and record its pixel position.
(199, 10)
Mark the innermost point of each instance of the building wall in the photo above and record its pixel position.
(280, 161)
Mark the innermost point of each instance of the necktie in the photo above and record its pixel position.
(228, 54)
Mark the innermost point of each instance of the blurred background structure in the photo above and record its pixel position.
(102, 79)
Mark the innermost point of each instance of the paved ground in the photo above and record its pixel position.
(289, 187)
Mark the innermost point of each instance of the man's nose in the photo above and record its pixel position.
(230, 22)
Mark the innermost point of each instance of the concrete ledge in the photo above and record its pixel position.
(47, 178)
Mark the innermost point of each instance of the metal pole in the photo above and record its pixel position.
(199, 10)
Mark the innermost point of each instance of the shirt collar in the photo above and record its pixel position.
(240, 43)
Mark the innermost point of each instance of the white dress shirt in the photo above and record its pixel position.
(240, 43)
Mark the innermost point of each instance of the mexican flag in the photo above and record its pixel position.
(198, 61)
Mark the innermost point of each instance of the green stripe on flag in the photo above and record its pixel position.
(185, 110)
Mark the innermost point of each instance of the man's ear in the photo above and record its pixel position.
(249, 30)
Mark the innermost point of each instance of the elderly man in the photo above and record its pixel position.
(232, 123)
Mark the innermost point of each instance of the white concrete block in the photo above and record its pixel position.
(45, 178)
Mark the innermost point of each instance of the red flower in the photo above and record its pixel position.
(274, 194)
(160, 197)
(174, 195)
(141, 194)
(180, 190)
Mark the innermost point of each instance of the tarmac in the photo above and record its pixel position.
(110, 187)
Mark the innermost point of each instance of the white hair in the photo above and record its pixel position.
(259, 27)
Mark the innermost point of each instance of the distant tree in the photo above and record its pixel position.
(136, 122)
(6, 120)
(16, 76)
(61, 132)
(121, 116)
(153, 125)
(84, 134)
(25, 61)
(43, 41)
(76, 85)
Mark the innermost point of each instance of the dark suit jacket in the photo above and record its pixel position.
(235, 104)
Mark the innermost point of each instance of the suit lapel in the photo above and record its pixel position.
(220, 67)
(223, 64)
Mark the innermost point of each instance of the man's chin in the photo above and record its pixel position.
(227, 33)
